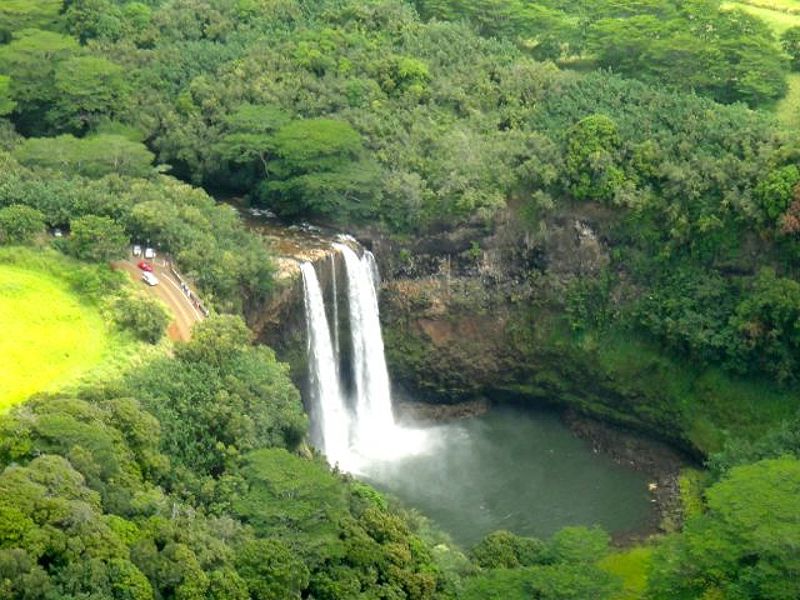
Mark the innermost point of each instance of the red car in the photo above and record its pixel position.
(145, 266)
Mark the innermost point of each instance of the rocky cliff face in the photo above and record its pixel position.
(475, 314)
(279, 321)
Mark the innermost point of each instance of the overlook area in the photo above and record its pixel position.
(500, 299)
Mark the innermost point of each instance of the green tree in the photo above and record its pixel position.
(503, 549)
(19, 224)
(548, 582)
(94, 156)
(220, 378)
(90, 19)
(744, 546)
(564, 568)
(16, 15)
(758, 71)
(97, 239)
(790, 41)
(320, 170)
(216, 341)
(592, 168)
(579, 544)
(88, 89)
(775, 191)
(7, 104)
(145, 317)
(768, 321)
(271, 571)
(319, 501)
(31, 60)
(250, 131)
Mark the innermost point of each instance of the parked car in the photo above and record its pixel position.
(145, 266)
(137, 250)
(57, 232)
(149, 253)
(149, 278)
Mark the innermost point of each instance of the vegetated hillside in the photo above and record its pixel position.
(358, 111)
(183, 481)
(712, 48)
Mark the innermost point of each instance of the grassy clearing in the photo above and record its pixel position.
(788, 108)
(49, 335)
(630, 565)
(779, 19)
(787, 6)
(56, 334)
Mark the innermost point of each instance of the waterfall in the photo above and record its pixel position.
(373, 392)
(335, 311)
(328, 409)
(360, 439)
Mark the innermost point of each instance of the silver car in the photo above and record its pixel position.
(149, 278)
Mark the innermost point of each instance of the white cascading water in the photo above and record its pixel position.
(335, 311)
(329, 408)
(373, 392)
(360, 440)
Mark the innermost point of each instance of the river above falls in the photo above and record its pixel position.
(518, 470)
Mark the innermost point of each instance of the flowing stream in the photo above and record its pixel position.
(506, 470)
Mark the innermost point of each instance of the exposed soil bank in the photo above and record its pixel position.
(409, 411)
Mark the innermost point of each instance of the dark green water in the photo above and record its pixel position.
(516, 470)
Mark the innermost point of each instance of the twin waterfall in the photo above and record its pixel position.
(355, 429)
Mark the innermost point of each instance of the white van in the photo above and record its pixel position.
(149, 253)
(149, 278)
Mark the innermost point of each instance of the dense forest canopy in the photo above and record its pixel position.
(361, 111)
(419, 117)
(699, 45)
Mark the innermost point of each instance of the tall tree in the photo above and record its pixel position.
(88, 89)
(31, 59)
(93, 156)
(16, 15)
(97, 239)
(320, 170)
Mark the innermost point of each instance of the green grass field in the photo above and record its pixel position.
(49, 336)
(56, 333)
(787, 6)
(780, 16)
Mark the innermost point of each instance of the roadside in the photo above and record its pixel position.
(171, 292)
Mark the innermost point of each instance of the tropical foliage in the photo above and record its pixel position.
(190, 478)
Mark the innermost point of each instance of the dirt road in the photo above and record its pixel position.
(169, 292)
